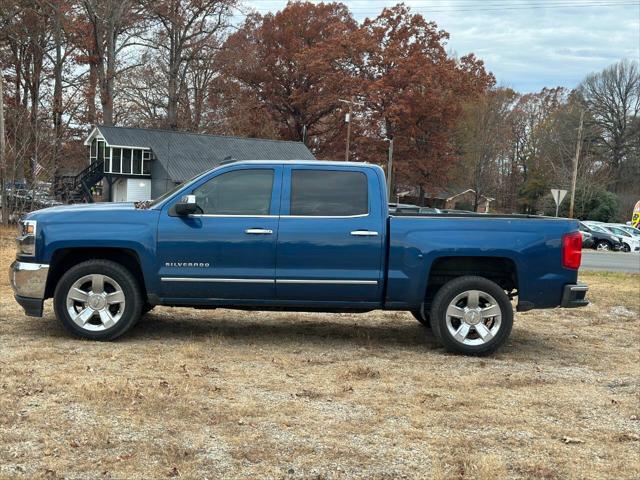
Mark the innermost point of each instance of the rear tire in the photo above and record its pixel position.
(603, 245)
(98, 300)
(471, 315)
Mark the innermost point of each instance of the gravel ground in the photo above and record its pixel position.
(228, 394)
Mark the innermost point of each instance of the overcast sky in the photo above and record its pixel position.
(527, 44)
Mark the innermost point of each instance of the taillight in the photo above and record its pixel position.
(572, 250)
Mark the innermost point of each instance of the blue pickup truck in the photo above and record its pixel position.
(306, 236)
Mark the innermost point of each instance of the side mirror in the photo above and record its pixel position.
(187, 205)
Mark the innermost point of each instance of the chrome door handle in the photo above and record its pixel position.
(258, 231)
(364, 233)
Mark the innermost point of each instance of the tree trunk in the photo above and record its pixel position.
(90, 94)
(3, 171)
(172, 87)
(57, 92)
(111, 34)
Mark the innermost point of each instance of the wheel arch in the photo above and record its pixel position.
(65, 258)
(501, 270)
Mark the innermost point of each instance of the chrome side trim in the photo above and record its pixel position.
(217, 280)
(329, 282)
(258, 231)
(28, 279)
(364, 233)
(215, 215)
(326, 216)
(268, 280)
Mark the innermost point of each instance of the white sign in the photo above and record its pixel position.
(558, 195)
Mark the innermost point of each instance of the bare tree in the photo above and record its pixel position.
(613, 100)
(3, 171)
(183, 29)
(112, 23)
(484, 138)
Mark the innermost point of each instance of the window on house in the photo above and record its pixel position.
(240, 192)
(94, 148)
(330, 193)
(100, 151)
(107, 159)
(137, 162)
(126, 160)
(146, 167)
(116, 154)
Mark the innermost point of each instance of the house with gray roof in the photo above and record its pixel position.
(135, 164)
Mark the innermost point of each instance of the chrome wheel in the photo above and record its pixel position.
(603, 246)
(473, 317)
(95, 302)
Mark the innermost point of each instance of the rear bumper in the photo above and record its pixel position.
(574, 295)
(28, 281)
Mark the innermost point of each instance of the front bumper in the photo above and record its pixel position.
(574, 295)
(28, 281)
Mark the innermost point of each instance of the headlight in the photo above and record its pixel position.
(27, 239)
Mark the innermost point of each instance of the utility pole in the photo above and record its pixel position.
(3, 171)
(348, 117)
(390, 169)
(575, 166)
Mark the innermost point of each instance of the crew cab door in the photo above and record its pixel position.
(331, 237)
(226, 250)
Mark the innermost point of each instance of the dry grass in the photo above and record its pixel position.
(226, 394)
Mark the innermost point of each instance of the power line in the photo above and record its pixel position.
(487, 7)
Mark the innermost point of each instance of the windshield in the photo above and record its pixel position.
(619, 231)
(633, 231)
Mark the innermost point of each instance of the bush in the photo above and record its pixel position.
(591, 204)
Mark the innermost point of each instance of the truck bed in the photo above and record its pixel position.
(418, 244)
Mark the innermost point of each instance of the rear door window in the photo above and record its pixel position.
(332, 193)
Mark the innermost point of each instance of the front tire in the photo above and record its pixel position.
(625, 248)
(603, 245)
(98, 300)
(471, 315)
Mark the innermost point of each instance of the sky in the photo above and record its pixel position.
(527, 44)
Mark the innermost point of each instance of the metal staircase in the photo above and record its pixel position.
(77, 188)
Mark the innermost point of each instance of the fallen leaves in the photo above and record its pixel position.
(572, 440)
(628, 437)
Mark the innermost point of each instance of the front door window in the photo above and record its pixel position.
(239, 192)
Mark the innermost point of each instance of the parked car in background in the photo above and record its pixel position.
(587, 239)
(454, 211)
(430, 210)
(629, 242)
(627, 228)
(403, 208)
(602, 239)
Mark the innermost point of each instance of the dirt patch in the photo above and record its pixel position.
(228, 394)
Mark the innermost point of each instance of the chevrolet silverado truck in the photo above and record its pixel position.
(301, 236)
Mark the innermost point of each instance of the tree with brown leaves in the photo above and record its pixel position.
(298, 64)
(414, 92)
